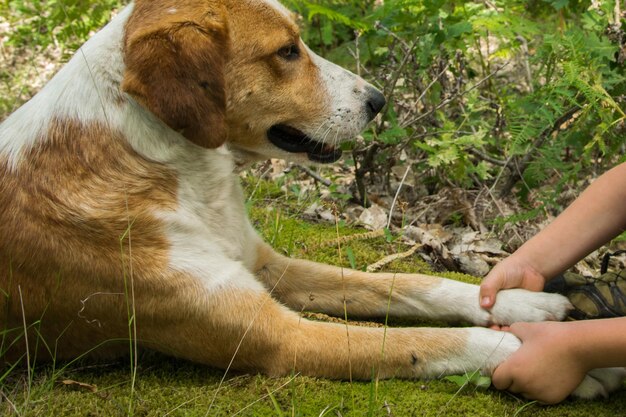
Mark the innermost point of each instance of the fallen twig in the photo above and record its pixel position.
(376, 266)
(315, 175)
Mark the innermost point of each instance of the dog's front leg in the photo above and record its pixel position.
(248, 330)
(236, 324)
(317, 287)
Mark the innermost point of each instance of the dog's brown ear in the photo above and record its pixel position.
(175, 54)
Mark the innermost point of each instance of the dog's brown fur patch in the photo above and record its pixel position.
(77, 217)
(175, 60)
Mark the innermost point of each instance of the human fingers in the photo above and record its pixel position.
(499, 327)
(502, 378)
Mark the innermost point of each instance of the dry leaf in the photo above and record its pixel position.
(374, 218)
(81, 386)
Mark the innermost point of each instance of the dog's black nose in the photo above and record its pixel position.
(375, 102)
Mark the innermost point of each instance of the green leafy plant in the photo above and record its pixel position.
(473, 379)
(61, 22)
(506, 95)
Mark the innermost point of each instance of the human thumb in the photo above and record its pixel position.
(488, 290)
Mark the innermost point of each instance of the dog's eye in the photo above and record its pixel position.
(289, 53)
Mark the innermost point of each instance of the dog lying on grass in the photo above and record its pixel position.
(122, 216)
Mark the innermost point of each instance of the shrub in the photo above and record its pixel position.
(500, 94)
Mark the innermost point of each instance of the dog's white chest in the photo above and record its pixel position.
(209, 232)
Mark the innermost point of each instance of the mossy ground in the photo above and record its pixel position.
(166, 386)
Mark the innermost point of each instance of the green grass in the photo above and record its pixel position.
(165, 386)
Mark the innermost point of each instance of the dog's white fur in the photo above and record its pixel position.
(221, 269)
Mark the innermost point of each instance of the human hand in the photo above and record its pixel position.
(545, 368)
(513, 272)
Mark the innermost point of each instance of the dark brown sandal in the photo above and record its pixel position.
(593, 298)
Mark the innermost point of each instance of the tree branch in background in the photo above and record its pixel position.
(517, 166)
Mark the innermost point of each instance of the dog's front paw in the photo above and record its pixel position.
(600, 383)
(517, 305)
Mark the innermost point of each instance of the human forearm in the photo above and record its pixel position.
(598, 343)
(593, 219)
(596, 217)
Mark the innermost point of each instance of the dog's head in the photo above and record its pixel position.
(238, 70)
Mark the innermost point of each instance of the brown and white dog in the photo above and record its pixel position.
(121, 214)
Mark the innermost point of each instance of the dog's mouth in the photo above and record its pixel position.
(292, 140)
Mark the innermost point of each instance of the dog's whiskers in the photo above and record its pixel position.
(319, 127)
